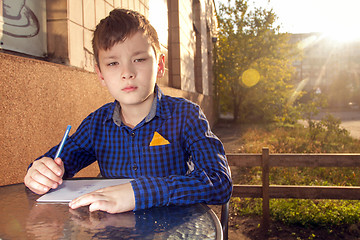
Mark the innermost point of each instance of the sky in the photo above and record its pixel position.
(337, 18)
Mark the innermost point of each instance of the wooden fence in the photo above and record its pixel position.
(267, 191)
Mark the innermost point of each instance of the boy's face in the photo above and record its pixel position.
(129, 70)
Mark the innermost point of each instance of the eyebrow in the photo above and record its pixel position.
(140, 52)
(110, 57)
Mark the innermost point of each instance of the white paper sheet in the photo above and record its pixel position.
(71, 189)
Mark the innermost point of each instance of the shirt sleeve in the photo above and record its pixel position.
(208, 179)
(78, 152)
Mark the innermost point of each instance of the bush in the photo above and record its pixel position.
(319, 213)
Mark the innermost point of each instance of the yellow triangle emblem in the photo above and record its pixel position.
(158, 140)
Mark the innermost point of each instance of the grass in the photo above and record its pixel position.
(323, 137)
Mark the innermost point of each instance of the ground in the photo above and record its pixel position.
(248, 228)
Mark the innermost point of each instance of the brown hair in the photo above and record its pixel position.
(119, 25)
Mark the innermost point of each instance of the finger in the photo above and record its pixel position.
(60, 163)
(86, 200)
(102, 205)
(38, 182)
(44, 180)
(35, 186)
(56, 166)
(50, 169)
(43, 175)
(96, 202)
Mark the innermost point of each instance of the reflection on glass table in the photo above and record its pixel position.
(21, 217)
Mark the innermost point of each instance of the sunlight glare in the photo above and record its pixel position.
(297, 91)
(337, 19)
(341, 21)
(344, 34)
(309, 41)
(157, 20)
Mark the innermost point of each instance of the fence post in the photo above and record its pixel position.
(265, 188)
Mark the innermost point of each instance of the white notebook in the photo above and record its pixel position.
(71, 189)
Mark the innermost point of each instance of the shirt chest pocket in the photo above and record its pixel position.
(163, 160)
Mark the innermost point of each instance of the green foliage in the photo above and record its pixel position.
(247, 206)
(318, 213)
(326, 137)
(250, 40)
(310, 104)
(328, 134)
(303, 212)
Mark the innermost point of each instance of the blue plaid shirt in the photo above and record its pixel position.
(189, 167)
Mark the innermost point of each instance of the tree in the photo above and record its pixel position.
(248, 41)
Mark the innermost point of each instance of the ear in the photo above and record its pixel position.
(99, 74)
(161, 66)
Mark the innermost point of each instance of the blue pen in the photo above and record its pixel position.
(62, 142)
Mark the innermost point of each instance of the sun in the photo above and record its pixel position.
(344, 31)
(343, 36)
(339, 20)
(336, 19)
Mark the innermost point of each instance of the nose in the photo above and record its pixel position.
(128, 72)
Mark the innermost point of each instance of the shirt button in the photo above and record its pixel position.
(135, 167)
(132, 134)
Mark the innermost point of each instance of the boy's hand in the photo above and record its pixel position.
(44, 174)
(115, 199)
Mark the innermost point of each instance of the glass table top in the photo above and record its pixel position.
(21, 217)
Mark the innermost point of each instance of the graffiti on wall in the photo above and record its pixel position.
(22, 25)
(21, 20)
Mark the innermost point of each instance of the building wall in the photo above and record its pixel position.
(182, 44)
(40, 98)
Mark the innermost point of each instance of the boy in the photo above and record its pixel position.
(163, 143)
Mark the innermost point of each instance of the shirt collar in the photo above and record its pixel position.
(163, 108)
(152, 112)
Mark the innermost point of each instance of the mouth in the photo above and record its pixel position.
(129, 88)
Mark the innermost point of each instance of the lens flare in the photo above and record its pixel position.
(250, 77)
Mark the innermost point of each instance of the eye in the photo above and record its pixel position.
(112, 64)
(139, 60)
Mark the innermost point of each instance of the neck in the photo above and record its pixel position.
(132, 115)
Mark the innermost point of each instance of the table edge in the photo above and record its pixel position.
(219, 232)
